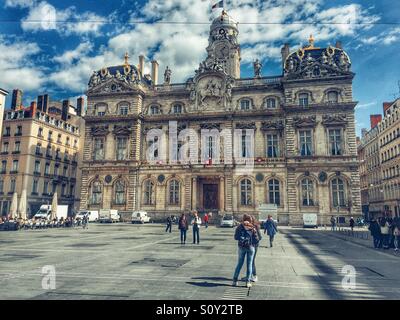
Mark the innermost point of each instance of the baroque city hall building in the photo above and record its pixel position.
(287, 140)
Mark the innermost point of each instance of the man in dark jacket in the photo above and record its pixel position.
(271, 229)
(183, 226)
(352, 222)
(169, 224)
(375, 230)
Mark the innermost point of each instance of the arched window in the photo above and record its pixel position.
(246, 192)
(123, 109)
(333, 97)
(273, 192)
(148, 192)
(270, 103)
(338, 194)
(154, 109)
(174, 188)
(177, 108)
(119, 192)
(97, 193)
(307, 192)
(303, 99)
(245, 104)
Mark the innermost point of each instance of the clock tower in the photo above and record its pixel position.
(223, 46)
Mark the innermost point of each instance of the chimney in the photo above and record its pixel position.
(33, 108)
(40, 103)
(64, 111)
(141, 65)
(375, 119)
(154, 72)
(285, 51)
(79, 106)
(386, 106)
(16, 102)
(339, 45)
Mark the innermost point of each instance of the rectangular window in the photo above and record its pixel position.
(49, 137)
(1, 186)
(19, 131)
(63, 190)
(59, 138)
(40, 132)
(47, 168)
(98, 153)
(35, 186)
(15, 166)
(123, 110)
(5, 147)
(56, 169)
(121, 148)
(305, 142)
(65, 171)
(246, 148)
(12, 185)
(37, 166)
(46, 187)
(272, 146)
(17, 147)
(7, 131)
(4, 166)
(101, 110)
(245, 104)
(303, 99)
(335, 142)
(38, 149)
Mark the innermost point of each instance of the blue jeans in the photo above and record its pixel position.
(196, 235)
(243, 252)
(183, 235)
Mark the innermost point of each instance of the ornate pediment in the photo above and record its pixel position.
(210, 126)
(334, 120)
(111, 86)
(308, 121)
(122, 130)
(99, 131)
(272, 125)
(249, 125)
(147, 128)
(317, 63)
(126, 73)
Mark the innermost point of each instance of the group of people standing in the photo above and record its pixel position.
(248, 236)
(385, 233)
(183, 225)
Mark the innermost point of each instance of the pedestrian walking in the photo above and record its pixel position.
(196, 222)
(396, 234)
(85, 222)
(352, 222)
(375, 230)
(385, 233)
(333, 223)
(256, 225)
(183, 225)
(246, 236)
(271, 229)
(169, 224)
(206, 219)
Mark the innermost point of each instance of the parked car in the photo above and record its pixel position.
(140, 217)
(228, 221)
(93, 215)
(109, 215)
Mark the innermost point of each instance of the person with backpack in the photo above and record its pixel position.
(333, 223)
(196, 222)
(271, 229)
(183, 225)
(169, 224)
(246, 236)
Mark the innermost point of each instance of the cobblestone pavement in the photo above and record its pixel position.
(124, 261)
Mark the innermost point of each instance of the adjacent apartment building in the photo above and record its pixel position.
(379, 157)
(41, 152)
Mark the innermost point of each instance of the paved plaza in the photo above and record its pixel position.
(124, 261)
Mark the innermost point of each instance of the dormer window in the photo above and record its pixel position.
(270, 103)
(303, 99)
(155, 110)
(245, 104)
(123, 109)
(177, 108)
(333, 97)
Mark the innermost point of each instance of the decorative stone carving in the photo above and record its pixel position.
(242, 126)
(272, 125)
(210, 126)
(99, 131)
(334, 120)
(307, 121)
(167, 75)
(124, 74)
(122, 130)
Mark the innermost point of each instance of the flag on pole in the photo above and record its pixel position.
(219, 4)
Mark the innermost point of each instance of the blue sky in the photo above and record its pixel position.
(54, 46)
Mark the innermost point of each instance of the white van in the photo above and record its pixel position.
(140, 217)
(92, 214)
(310, 220)
(109, 215)
(45, 212)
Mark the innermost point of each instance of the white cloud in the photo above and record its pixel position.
(364, 106)
(16, 69)
(387, 37)
(70, 56)
(264, 26)
(43, 16)
(19, 3)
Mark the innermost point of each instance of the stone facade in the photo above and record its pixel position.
(290, 139)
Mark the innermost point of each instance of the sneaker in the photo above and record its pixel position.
(234, 283)
(248, 284)
(254, 279)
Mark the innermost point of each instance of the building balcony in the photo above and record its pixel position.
(58, 158)
(16, 152)
(4, 153)
(10, 192)
(39, 154)
(36, 173)
(74, 162)
(13, 171)
(6, 135)
(49, 156)
(34, 193)
(18, 134)
(48, 175)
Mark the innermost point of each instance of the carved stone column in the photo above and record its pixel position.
(222, 194)
(194, 193)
